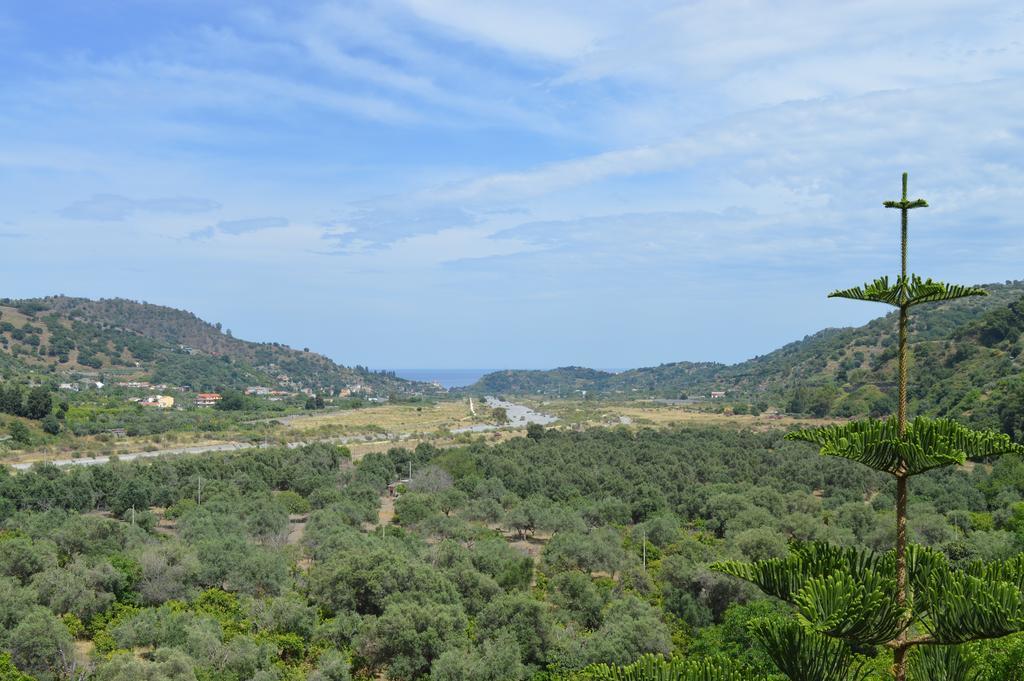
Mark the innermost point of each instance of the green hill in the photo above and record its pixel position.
(841, 371)
(128, 339)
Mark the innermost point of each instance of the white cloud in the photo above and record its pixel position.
(804, 143)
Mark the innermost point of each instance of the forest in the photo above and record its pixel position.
(544, 557)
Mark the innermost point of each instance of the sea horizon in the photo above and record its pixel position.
(459, 378)
(449, 378)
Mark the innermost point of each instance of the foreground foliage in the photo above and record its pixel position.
(222, 590)
(848, 600)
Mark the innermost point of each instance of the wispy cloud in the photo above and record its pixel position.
(238, 227)
(112, 207)
(536, 28)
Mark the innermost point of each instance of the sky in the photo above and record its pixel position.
(481, 183)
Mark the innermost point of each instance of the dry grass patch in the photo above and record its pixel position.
(390, 418)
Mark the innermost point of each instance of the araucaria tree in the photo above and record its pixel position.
(910, 600)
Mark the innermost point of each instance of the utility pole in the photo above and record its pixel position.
(410, 470)
(644, 540)
(200, 490)
(133, 516)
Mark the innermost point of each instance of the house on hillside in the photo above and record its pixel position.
(717, 394)
(158, 401)
(207, 399)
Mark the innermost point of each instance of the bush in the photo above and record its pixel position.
(51, 424)
(294, 502)
(20, 433)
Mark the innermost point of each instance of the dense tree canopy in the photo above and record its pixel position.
(532, 556)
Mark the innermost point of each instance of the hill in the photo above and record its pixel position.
(140, 341)
(839, 371)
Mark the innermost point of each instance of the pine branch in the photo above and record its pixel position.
(656, 668)
(912, 291)
(877, 291)
(1009, 570)
(785, 577)
(960, 607)
(929, 291)
(928, 443)
(945, 663)
(804, 655)
(922, 563)
(858, 608)
(905, 204)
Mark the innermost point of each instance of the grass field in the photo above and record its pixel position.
(385, 418)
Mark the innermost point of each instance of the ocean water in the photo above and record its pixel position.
(449, 378)
(454, 378)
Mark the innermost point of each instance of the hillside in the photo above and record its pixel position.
(842, 371)
(140, 341)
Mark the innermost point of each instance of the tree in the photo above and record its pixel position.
(409, 636)
(231, 400)
(631, 628)
(51, 424)
(12, 401)
(22, 558)
(492, 661)
(41, 644)
(332, 666)
(166, 665)
(578, 597)
(452, 499)
(523, 618)
(910, 600)
(38, 404)
(20, 433)
(8, 672)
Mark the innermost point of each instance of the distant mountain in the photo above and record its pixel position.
(844, 371)
(118, 337)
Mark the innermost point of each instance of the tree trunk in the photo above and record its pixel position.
(900, 652)
(899, 666)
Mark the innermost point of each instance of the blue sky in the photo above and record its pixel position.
(457, 183)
